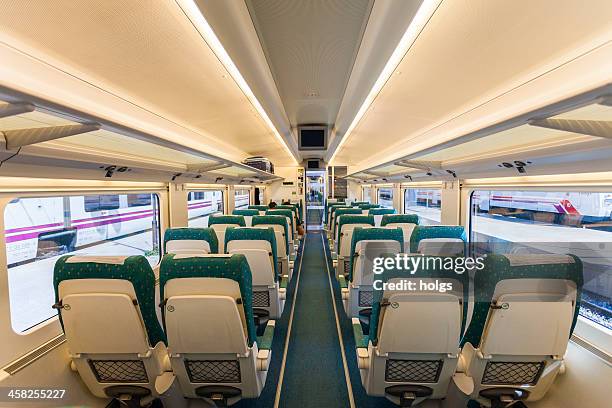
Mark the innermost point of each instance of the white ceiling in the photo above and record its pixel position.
(310, 47)
(150, 55)
(468, 54)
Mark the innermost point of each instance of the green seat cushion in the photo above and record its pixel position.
(399, 219)
(246, 212)
(353, 219)
(421, 232)
(226, 219)
(381, 211)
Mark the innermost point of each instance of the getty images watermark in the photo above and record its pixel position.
(412, 264)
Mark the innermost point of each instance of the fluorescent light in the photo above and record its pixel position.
(194, 14)
(422, 16)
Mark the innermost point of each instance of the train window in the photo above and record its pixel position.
(40, 230)
(95, 203)
(138, 200)
(385, 197)
(367, 194)
(426, 203)
(241, 198)
(579, 223)
(201, 204)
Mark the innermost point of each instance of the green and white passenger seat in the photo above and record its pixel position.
(346, 225)
(260, 208)
(259, 247)
(107, 309)
(525, 310)
(222, 222)
(248, 215)
(413, 345)
(366, 245)
(208, 316)
(331, 219)
(407, 222)
(290, 214)
(336, 214)
(438, 240)
(378, 214)
(190, 241)
(365, 208)
(281, 231)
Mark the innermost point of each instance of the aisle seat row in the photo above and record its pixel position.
(475, 341)
(217, 313)
(500, 339)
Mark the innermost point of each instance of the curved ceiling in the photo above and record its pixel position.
(149, 55)
(470, 53)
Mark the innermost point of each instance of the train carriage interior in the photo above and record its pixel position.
(305, 203)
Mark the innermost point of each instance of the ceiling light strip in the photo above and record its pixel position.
(196, 17)
(420, 20)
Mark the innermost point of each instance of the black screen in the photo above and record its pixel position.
(313, 138)
(313, 164)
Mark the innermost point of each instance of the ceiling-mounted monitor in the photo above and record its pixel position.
(312, 137)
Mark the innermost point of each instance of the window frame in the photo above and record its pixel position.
(18, 344)
(203, 190)
(420, 187)
(248, 193)
(591, 332)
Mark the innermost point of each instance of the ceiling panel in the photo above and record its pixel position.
(521, 140)
(310, 47)
(470, 52)
(147, 53)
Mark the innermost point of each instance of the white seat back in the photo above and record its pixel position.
(205, 317)
(367, 251)
(188, 246)
(407, 229)
(345, 237)
(441, 247)
(260, 263)
(220, 231)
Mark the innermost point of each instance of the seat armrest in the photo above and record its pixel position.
(284, 281)
(342, 281)
(361, 340)
(264, 342)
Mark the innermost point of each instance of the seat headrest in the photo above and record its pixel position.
(367, 206)
(234, 267)
(399, 219)
(247, 213)
(354, 219)
(258, 207)
(421, 232)
(285, 212)
(441, 246)
(135, 269)
(226, 219)
(381, 211)
(346, 211)
(99, 259)
(192, 234)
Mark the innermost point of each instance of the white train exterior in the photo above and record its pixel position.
(73, 222)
